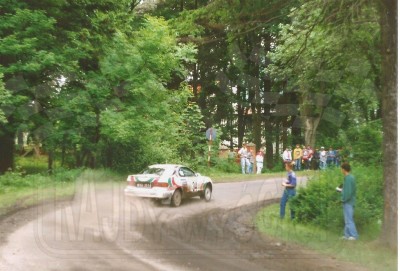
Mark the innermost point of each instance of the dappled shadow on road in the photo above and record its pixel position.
(221, 239)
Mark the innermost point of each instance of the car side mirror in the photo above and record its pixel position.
(197, 174)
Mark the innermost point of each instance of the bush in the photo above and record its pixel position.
(17, 180)
(320, 205)
(227, 166)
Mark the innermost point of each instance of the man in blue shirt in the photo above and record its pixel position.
(290, 190)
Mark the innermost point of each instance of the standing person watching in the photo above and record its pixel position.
(243, 158)
(287, 155)
(297, 156)
(250, 161)
(331, 157)
(322, 158)
(348, 199)
(315, 163)
(305, 156)
(259, 161)
(290, 190)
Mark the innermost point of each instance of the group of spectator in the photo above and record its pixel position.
(248, 161)
(308, 158)
(302, 158)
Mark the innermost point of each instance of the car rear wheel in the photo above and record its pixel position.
(207, 193)
(176, 198)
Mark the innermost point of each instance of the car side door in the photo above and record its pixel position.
(191, 179)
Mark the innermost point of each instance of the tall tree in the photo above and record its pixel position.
(352, 78)
(41, 45)
(389, 23)
(27, 61)
(232, 48)
(309, 57)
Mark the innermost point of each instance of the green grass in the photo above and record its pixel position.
(222, 177)
(21, 191)
(16, 198)
(31, 165)
(366, 251)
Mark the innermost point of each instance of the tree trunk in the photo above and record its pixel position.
(388, 13)
(241, 116)
(277, 143)
(284, 136)
(310, 125)
(20, 142)
(267, 118)
(50, 162)
(256, 118)
(311, 110)
(7, 150)
(195, 83)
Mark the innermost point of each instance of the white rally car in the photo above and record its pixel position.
(169, 182)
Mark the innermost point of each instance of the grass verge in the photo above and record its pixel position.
(365, 252)
(18, 192)
(219, 177)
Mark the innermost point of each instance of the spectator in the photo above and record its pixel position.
(339, 154)
(259, 161)
(331, 157)
(310, 157)
(287, 155)
(250, 161)
(243, 158)
(315, 162)
(289, 192)
(322, 158)
(297, 156)
(305, 156)
(348, 200)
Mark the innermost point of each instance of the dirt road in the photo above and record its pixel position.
(102, 229)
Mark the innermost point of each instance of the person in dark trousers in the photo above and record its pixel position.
(290, 190)
(348, 191)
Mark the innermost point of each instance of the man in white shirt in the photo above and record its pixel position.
(287, 156)
(259, 161)
(243, 158)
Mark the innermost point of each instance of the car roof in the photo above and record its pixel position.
(165, 166)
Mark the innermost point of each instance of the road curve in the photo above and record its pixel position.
(102, 229)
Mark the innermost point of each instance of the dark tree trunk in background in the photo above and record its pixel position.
(388, 14)
(241, 115)
(269, 149)
(277, 141)
(6, 150)
(50, 162)
(20, 140)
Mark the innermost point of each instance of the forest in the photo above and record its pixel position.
(120, 84)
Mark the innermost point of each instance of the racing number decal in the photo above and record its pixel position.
(194, 186)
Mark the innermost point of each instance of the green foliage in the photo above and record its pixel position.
(365, 142)
(4, 97)
(366, 251)
(319, 204)
(227, 166)
(15, 180)
(329, 55)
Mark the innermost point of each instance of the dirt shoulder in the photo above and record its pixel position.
(221, 239)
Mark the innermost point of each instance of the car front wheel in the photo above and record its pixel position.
(176, 198)
(207, 193)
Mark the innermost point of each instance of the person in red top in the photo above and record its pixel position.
(307, 157)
